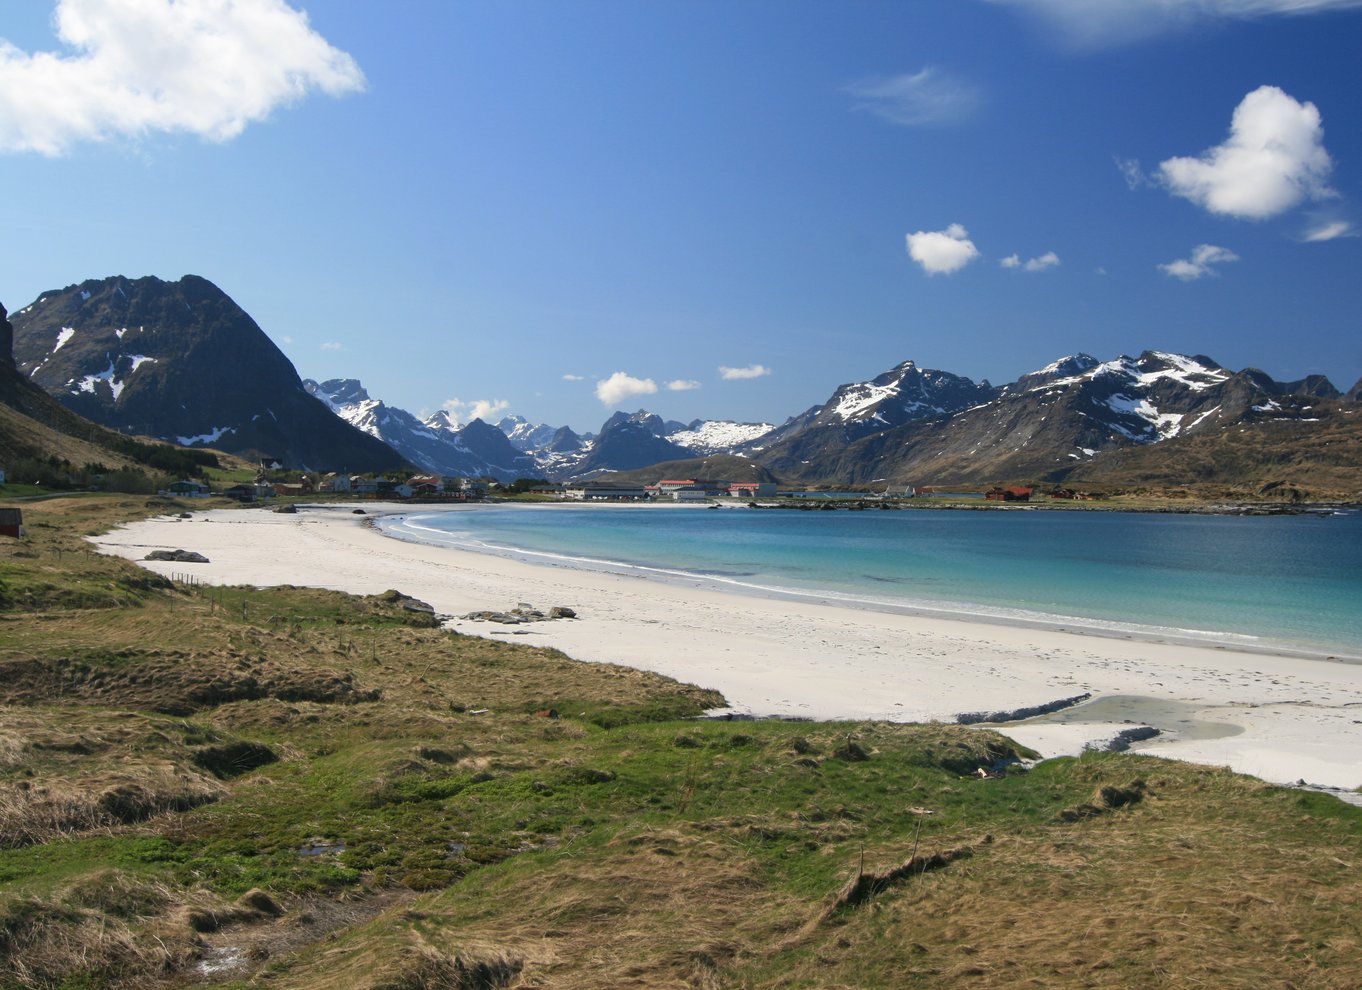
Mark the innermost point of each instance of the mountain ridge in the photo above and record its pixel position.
(436, 444)
(182, 361)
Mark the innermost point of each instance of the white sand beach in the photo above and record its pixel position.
(1281, 718)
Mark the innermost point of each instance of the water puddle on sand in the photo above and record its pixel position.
(1173, 717)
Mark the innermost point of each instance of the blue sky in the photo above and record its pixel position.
(548, 207)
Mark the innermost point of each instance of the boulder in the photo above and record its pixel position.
(523, 612)
(179, 556)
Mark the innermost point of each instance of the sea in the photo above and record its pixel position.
(1280, 583)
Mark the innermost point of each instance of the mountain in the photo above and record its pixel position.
(630, 441)
(437, 444)
(903, 394)
(565, 441)
(35, 427)
(181, 361)
(557, 459)
(651, 422)
(525, 436)
(1314, 456)
(490, 447)
(624, 443)
(1043, 425)
(816, 442)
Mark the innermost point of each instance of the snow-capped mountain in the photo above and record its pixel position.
(903, 394)
(626, 441)
(525, 436)
(437, 444)
(1039, 426)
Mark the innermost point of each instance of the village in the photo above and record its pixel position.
(436, 488)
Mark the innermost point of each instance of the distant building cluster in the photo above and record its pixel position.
(675, 489)
(436, 488)
(427, 488)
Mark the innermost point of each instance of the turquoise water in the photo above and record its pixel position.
(1274, 581)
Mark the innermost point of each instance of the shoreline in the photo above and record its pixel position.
(1279, 717)
(950, 611)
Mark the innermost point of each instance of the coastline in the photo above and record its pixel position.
(1280, 717)
(396, 524)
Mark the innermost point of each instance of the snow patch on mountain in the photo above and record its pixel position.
(716, 436)
(1164, 425)
(212, 436)
(858, 398)
(1187, 371)
(110, 375)
(88, 383)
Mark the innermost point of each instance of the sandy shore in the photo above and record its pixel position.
(1280, 718)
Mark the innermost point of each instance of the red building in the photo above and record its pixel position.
(1009, 495)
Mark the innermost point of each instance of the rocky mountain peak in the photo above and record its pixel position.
(442, 420)
(904, 393)
(525, 436)
(651, 422)
(1071, 366)
(341, 391)
(565, 441)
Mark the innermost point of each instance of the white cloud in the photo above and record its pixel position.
(682, 385)
(620, 386)
(140, 66)
(286, 339)
(574, 378)
(1273, 159)
(1199, 264)
(738, 374)
(941, 252)
(913, 99)
(1088, 23)
(1132, 173)
(1329, 231)
(1047, 260)
(483, 409)
(331, 345)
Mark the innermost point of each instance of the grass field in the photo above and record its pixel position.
(295, 788)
